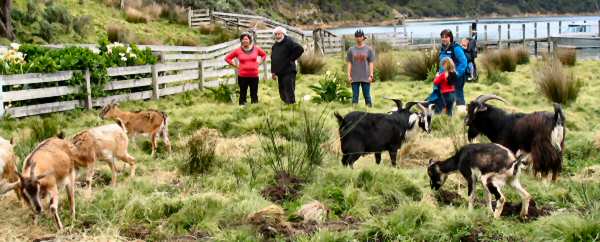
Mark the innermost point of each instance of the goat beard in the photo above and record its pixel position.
(472, 133)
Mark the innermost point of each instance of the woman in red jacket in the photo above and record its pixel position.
(247, 66)
(445, 81)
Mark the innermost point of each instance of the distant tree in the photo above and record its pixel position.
(6, 28)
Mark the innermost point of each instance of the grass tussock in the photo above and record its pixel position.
(311, 63)
(597, 139)
(116, 33)
(133, 15)
(504, 60)
(381, 47)
(386, 67)
(555, 83)
(567, 57)
(188, 41)
(521, 55)
(418, 67)
(201, 151)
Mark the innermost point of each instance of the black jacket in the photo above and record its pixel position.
(284, 55)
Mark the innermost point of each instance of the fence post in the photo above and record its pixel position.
(535, 43)
(88, 89)
(508, 35)
(559, 27)
(499, 36)
(457, 34)
(155, 90)
(548, 32)
(190, 12)
(201, 74)
(265, 70)
(524, 36)
(210, 15)
(598, 28)
(485, 34)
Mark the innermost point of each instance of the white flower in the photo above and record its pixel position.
(122, 54)
(15, 46)
(306, 97)
(96, 51)
(124, 58)
(128, 49)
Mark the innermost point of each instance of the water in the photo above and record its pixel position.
(424, 31)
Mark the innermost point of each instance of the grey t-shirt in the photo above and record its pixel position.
(360, 59)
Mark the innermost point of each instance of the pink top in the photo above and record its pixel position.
(248, 64)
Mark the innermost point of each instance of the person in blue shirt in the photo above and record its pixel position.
(451, 49)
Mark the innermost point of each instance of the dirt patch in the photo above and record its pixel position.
(194, 236)
(347, 223)
(270, 222)
(534, 211)
(421, 149)
(286, 188)
(136, 231)
(449, 197)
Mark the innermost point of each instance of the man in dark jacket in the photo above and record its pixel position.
(284, 54)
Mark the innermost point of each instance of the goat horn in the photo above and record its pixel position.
(422, 107)
(4, 187)
(409, 105)
(397, 101)
(32, 171)
(484, 98)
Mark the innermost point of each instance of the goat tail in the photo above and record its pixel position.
(558, 130)
(121, 124)
(339, 118)
(546, 159)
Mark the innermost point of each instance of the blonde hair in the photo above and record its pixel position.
(448, 65)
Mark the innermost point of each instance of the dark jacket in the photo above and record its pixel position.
(284, 55)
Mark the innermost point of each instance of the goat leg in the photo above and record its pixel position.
(393, 154)
(54, 207)
(378, 158)
(471, 191)
(525, 197)
(71, 193)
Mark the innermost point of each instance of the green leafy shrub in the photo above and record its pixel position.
(555, 83)
(223, 93)
(331, 88)
(420, 66)
(56, 13)
(81, 24)
(311, 63)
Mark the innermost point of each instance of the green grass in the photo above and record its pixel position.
(164, 203)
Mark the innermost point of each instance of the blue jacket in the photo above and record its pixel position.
(459, 58)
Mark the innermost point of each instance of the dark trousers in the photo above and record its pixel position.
(366, 89)
(448, 102)
(244, 83)
(287, 86)
(459, 90)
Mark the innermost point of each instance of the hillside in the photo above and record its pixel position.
(311, 11)
(164, 202)
(88, 21)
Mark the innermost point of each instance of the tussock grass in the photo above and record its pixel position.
(420, 65)
(386, 67)
(557, 84)
(567, 57)
(311, 63)
(133, 15)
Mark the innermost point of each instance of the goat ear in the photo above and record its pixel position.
(37, 178)
(431, 162)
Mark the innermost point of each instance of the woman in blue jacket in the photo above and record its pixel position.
(451, 49)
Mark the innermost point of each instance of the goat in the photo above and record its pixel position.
(49, 167)
(495, 166)
(362, 132)
(9, 178)
(150, 122)
(106, 143)
(540, 133)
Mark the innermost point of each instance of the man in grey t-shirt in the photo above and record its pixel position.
(360, 68)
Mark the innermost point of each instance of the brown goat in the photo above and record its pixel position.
(106, 143)
(9, 178)
(48, 168)
(141, 122)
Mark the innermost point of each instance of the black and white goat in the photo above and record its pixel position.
(362, 133)
(540, 133)
(493, 164)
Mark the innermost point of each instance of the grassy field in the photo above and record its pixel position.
(369, 202)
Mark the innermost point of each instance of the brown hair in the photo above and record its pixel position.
(449, 65)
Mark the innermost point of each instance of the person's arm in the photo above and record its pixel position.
(229, 58)
(297, 50)
(371, 60)
(349, 61)
(461, 66)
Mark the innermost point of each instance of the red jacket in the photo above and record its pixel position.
(442, 81)
(248, 65)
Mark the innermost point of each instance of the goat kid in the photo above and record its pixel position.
(9, 178)
(362, 133)
(47, 169)
(493, 164)
(151, 122)
(106, 143)
(541, 134)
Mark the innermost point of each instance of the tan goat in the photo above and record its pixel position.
(150, 122)
(47, 169)
(8, 168)
(106, 143)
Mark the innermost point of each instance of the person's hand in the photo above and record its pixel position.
(371, 78)
(349, 78)
(273, 76)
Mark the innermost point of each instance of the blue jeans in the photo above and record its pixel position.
(459, 90)
(448, 102)
(366, 89)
